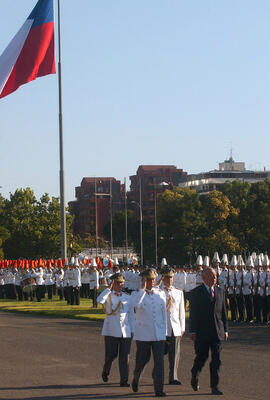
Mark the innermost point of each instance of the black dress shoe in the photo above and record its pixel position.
(216, 391)
(104, 377)
(160, 394)
(134, 385)
(124, 384)
(194, 383)
(175, 382)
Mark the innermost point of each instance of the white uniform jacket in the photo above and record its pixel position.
(151, 315)
(175, 311)
(93, 279)
(76, 282)
(190, 281)
(38, 275)
(179, 280)
(119, 320)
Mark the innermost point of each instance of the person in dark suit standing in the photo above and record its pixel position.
(208, 326)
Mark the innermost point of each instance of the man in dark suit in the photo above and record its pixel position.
(208, 326)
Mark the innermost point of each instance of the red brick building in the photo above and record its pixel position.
(153, 178)
(93, 199)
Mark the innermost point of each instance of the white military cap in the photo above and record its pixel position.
(76, 262)
(94, 263)
(206, 261)
(72, 260)
(216, 258)
(250, 262)
(163, 262)
(199, 260)
(233, 261)
(116, 261)
(240, 261)
(224, 259)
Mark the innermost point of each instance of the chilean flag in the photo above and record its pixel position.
(30, 54)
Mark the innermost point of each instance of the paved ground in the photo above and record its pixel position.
(61, 359)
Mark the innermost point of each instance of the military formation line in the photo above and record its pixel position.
(246, 283)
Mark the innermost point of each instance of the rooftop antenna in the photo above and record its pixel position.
(231, 152)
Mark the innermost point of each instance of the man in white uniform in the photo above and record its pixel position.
(150, 330)
(175, 306)
(117, 327)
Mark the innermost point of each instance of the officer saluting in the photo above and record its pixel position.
(117, 327)
(175, 305)
(150, 330)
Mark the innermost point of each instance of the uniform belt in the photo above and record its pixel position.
(92, 280)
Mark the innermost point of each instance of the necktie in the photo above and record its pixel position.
(212, 293)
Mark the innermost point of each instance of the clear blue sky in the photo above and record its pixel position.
(144, 82)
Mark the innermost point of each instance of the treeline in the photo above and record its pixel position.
(235, 220)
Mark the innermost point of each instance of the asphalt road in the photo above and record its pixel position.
(43, 358)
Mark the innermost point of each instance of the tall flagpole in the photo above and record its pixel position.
(61, 149)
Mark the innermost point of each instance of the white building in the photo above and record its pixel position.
(228, 171)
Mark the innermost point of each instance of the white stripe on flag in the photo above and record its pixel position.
(10, 55)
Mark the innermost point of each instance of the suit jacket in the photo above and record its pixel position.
(208, 318)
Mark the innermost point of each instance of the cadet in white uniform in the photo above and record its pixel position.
(76, 284)
(93, 284)
(175, 306)
(117, 328)
(150, 330)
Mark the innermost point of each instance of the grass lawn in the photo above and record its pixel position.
(55, 308)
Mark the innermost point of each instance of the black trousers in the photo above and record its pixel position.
(202, 351)
(143, 355)
(117, 346)
(2, 292)
(19, 292)
(93, 296)
(49, 291)
(75, 296)
(248, 299)
(67, 294)
(60, 292)
(10, 291)
(39, 292)
(264, 308)
(257, 307)
(240, 306)
(85, 290)
(172, 348)
(233, 306)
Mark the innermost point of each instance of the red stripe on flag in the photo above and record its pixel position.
(35, 60)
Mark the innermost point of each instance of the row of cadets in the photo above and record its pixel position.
(246, 286)
(159, 326)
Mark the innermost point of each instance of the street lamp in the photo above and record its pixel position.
(126, 222)
(141, 237)
(110, 195)
(155, 202)
(141, 219)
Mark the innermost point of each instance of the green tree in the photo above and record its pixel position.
(241, 199)
(34, 226)
(180, 223)
(258, 231)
